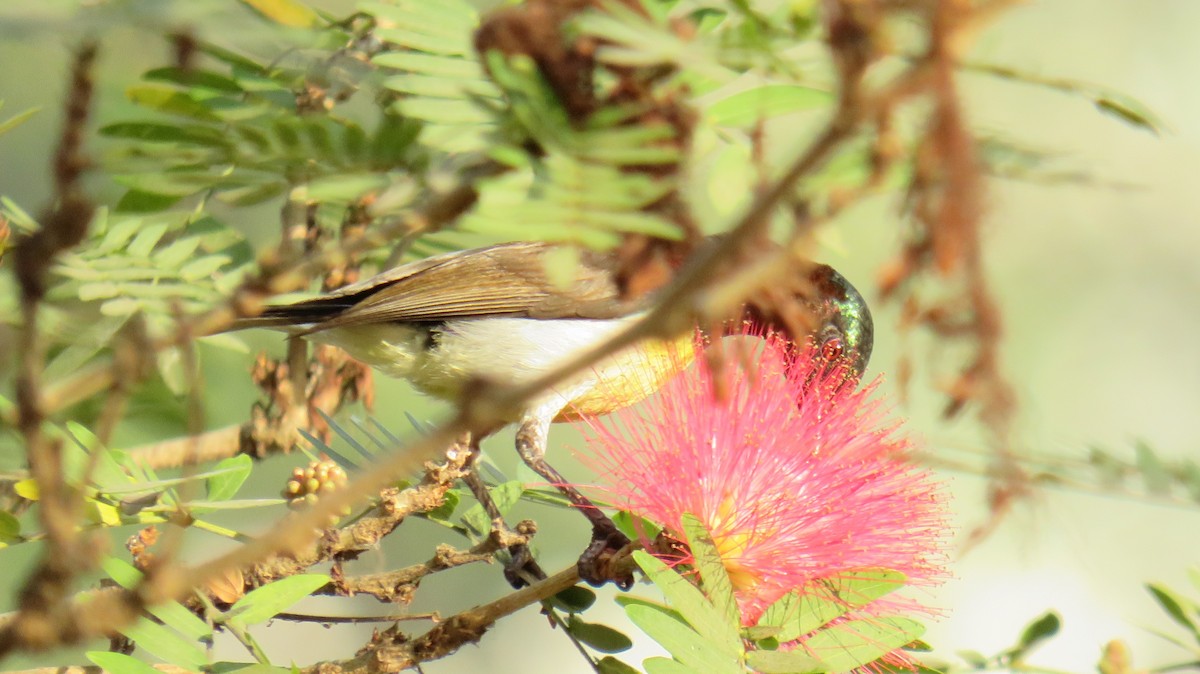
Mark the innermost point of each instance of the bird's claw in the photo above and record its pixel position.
(522, 567)
(596, 563)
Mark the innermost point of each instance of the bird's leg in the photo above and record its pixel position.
(521, 569)
(606, 538)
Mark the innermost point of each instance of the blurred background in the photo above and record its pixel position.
(1097, 277)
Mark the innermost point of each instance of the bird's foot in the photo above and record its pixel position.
(522, 569)
(597, 563)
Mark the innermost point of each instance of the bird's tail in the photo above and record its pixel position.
(302, 315)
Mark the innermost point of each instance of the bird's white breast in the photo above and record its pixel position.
(511, 350)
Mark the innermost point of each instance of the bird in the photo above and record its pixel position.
(501, 313)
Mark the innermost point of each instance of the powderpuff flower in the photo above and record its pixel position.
(798, 475)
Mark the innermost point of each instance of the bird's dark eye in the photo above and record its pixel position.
(832, 349)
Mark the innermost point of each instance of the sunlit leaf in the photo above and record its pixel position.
(172, 613)
(848, 645)
(696, 609)
(784, 662)
(166, 644)
(168, 100)
(284, 12)
(263, 603)
(682, 642)
(119, 663)
(748, 107)
(26, 489)
(825, 599)
(231, 473)
(17, 120)
(667, 666)
(715, 578)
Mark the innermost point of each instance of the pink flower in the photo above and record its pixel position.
(798, 475)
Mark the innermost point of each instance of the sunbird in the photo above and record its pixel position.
(501, 313)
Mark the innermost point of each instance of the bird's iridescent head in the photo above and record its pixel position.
(844, 325)
(835, 319)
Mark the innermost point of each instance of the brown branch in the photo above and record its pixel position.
(213, 445)
(64, 225)
(356, 619)
(398, 586)
(365, 533)
(392, 651)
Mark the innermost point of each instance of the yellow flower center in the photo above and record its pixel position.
(731, 545)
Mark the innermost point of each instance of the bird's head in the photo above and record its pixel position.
(830, 310)
(844, 328)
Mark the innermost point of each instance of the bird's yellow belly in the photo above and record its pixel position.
(630, 377)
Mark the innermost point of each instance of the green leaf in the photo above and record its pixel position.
(146, 239)
(344, 187)
(692, 605)
(122, 572)
(138, 201)
(231, 473)
(27, 489)
(152, 485)
(166, 644)
(746, 108)
(444, 512)
(10, 527)
(264, 603)
(235, 504)
(504, 496)
(17, 120)
(192, 77)
(1154, 473)
(574, 599)
(667, 666)
(203, 267)
(106, 471)
(174, 254)
(635, 527)
(168, 100)
(600, 637)
(1120, 105)
(823, 600)
(713, 575)
(783, 662)
(119, 663)
(284, 12)
(610, 665)
(849, 645)
(172, 613)
(1129, 110)
(154, 132)
(1194, 576)
(1036, 632)
(975, 659)
(1177, 607)
(682, 642)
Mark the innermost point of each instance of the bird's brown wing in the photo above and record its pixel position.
(504, 280)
